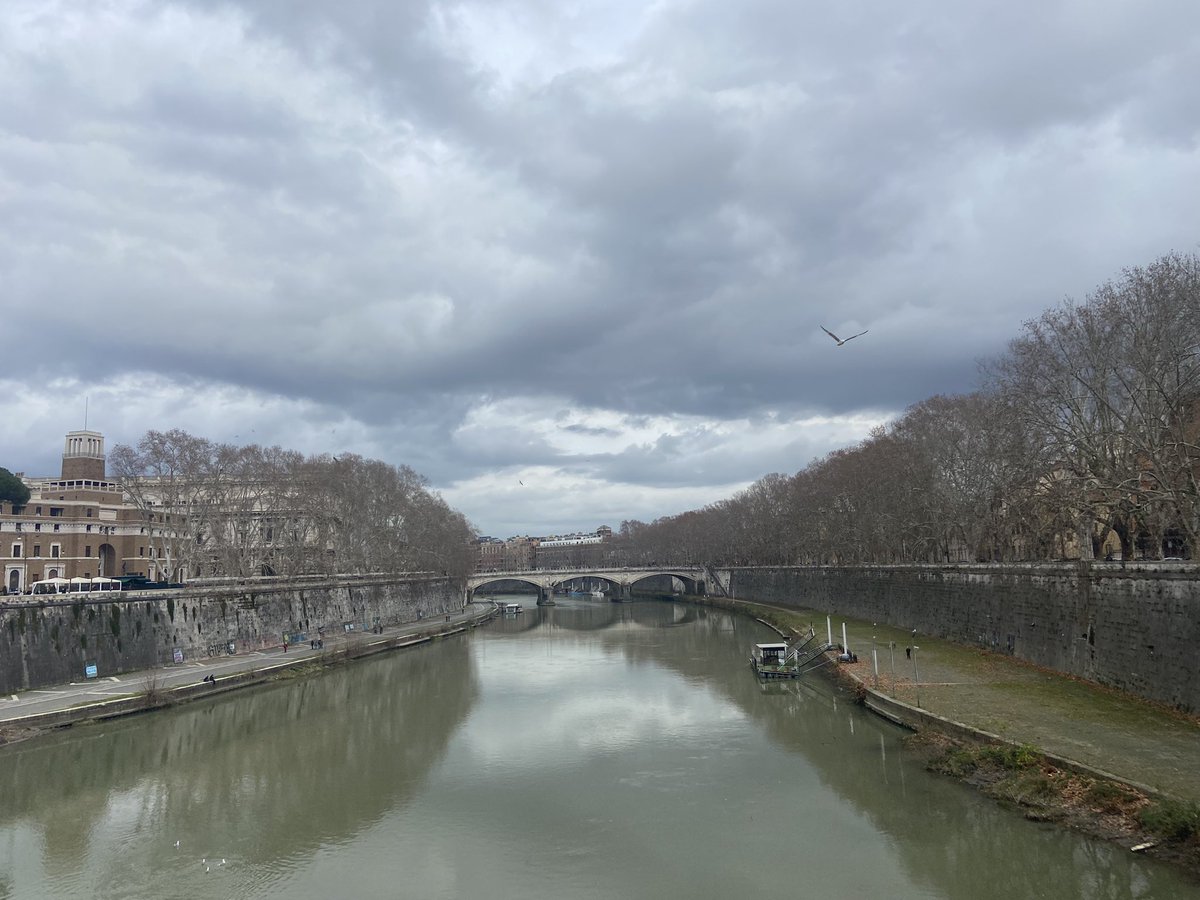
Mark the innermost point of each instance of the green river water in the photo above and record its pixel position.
(585, 750)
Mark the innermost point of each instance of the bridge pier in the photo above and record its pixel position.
(545, 597)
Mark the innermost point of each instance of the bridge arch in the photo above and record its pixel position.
(691, 584)
(539, 586)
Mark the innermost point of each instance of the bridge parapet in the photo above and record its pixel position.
(694, 578)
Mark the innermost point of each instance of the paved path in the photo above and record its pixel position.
(1133, 739)
(15, 707)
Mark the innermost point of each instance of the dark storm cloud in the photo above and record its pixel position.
(392, 218)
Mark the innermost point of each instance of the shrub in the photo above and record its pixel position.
(1014, 758)
(957, 762)
(1174, 819)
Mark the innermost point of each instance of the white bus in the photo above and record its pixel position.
(74, 585)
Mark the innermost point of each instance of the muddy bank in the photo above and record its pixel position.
(1025, 780)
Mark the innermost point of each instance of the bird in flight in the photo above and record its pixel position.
(838, 339)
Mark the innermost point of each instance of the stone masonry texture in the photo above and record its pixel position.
(1136, 629)
(53, 643)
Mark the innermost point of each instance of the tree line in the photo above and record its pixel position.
(217, 509)
(1082, 440)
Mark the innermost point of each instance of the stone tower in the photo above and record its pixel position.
(83, 456)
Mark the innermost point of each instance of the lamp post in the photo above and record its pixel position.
(916, 677)
(875, 656)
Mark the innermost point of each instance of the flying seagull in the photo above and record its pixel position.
(838, 339)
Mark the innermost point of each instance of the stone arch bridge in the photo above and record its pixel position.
(622, 581)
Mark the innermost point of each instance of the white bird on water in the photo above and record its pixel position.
(839, 340)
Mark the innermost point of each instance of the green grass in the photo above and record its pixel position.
(1176, 820)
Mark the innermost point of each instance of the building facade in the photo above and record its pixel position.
(523, 554)
(75, 525)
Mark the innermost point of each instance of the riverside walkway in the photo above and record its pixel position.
(1134, 740)
(118, 694)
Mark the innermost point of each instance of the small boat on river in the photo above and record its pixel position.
(770, 661)
(781, 659)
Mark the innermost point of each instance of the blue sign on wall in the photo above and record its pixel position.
(90, 670)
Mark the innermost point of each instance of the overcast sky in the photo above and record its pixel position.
(583, 245)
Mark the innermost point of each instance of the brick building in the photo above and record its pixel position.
(77, 524)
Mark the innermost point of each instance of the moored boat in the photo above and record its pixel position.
(770, 661)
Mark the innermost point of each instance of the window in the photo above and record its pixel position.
(89, 528)
(141, 551)
(16, 551)
(57, 526)
(37, 526)
(37, 550)
(87, 551)
(37, 511)
(55, 550)
(89, 512)
(56, 510)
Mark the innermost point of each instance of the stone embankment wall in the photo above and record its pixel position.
(54, 642)
(1136, 628)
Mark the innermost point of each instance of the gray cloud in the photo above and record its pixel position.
(589, 242)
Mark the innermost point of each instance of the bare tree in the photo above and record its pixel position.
(162, 476)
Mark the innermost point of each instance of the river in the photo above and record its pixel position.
(584, 750)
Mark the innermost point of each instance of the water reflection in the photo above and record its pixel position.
(949, 841)
(259, 777)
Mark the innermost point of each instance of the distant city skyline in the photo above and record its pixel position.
(572, 263)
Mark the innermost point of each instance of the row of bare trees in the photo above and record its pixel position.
(222, 510)
(1084, 436)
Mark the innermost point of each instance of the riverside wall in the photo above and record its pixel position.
(1136, 629)
(54, 642)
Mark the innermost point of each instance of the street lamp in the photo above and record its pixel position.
(916, 677)
(875, 655)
